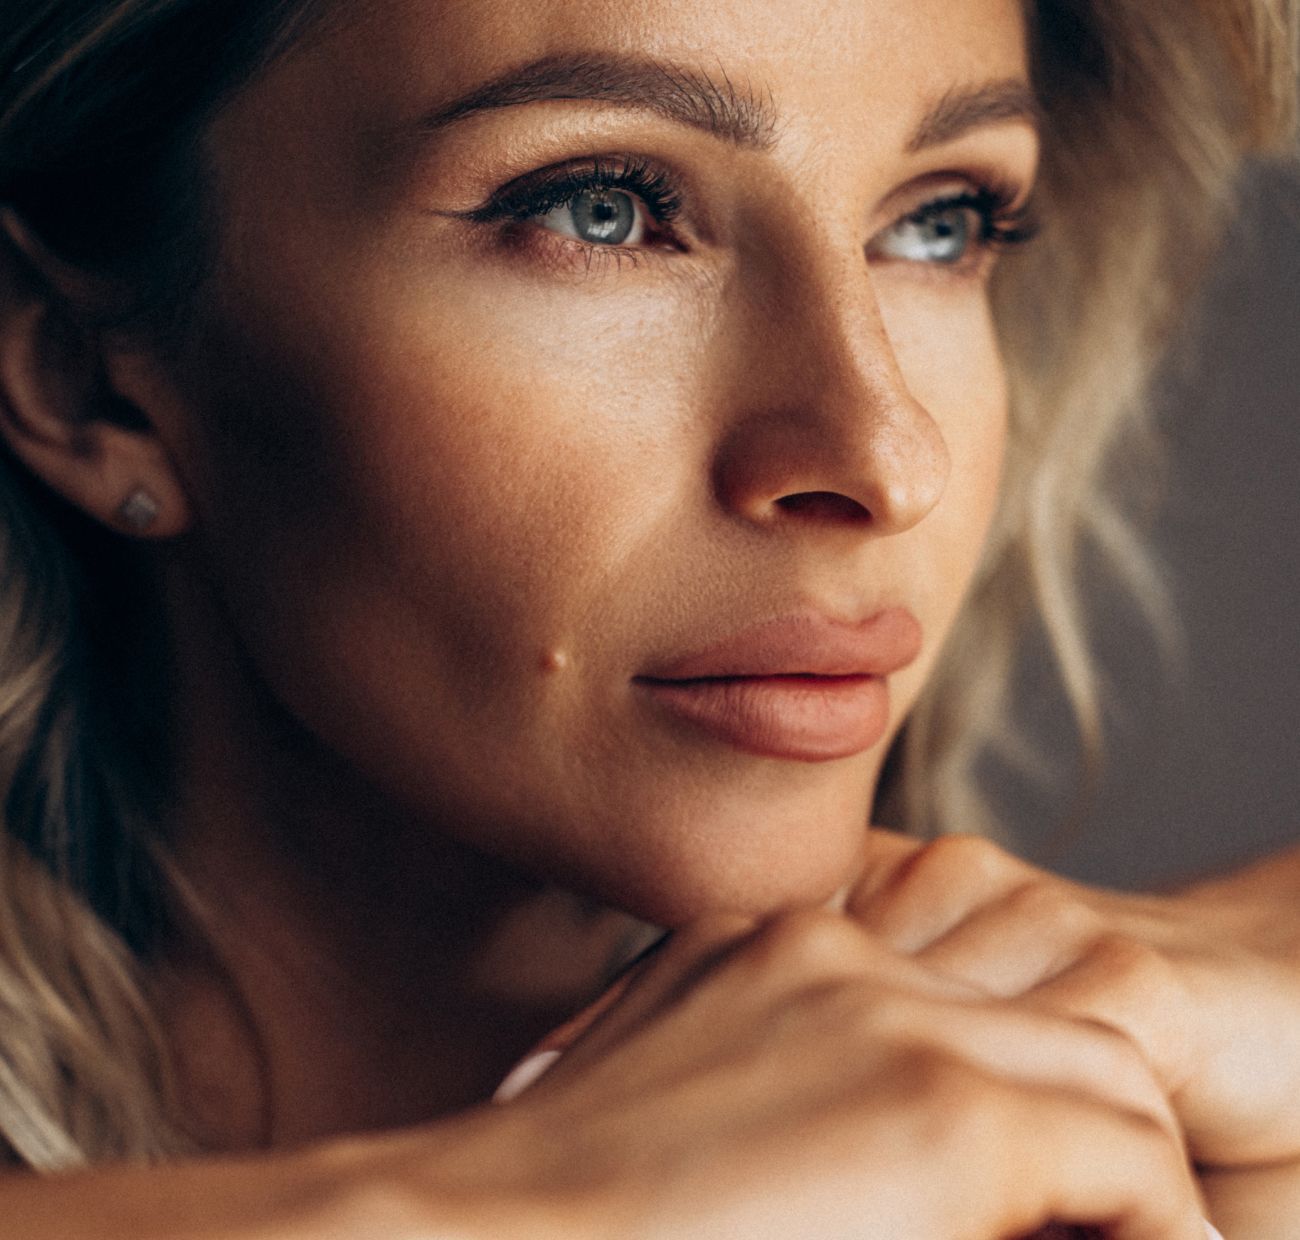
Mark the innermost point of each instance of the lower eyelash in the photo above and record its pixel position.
(568, 254)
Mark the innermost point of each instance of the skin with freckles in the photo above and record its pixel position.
(465, 480)
(457, 478)
(580, 449)
(585, 440)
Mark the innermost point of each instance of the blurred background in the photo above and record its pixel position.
(1204, 772)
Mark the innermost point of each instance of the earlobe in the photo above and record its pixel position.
(61, 419)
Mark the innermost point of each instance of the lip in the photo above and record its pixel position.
(802, 688)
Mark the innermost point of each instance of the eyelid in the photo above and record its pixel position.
(1005, 214)
(1010, 192)
(514, 212)
(536, 193)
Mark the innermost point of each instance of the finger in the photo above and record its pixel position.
(1010, 1160)
(647, 985)
(1035, 1049)
(753, 969)
(1085, 1164)
(1132, 987)
(1016, 941)
(925, 894)
(810, 948)
(871, 992)
(561, 1038)
(884, 853)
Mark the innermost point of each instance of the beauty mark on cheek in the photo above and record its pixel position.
(553, 661)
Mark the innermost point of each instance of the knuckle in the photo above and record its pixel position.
(1046, 904)
(965, 859)
(809, 941)
(1115, 1052)
(1132, 967)
(865, 1015)
(1034, 901)
(1120, 1061)
(968, 1108)
(840, 1011)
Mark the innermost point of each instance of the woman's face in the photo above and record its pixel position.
(599, 415)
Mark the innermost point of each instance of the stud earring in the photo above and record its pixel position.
(139, 510)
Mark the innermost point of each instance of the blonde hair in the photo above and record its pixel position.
(1150, 106)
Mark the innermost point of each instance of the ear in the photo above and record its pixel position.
(60, 412)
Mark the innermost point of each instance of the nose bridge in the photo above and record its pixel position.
(827, 412)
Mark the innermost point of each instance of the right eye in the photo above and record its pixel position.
(941, 233)
(606, 203)
(599, 216)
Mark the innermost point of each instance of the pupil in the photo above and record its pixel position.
(949, 235)
(605, 217)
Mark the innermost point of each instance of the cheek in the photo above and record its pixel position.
(453, 489)
(499, 455)
(464, 437)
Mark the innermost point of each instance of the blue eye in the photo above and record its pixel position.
(611, 203)
(598, 217)
(954, 230)
(939, 233)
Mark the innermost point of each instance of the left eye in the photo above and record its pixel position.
(941, 233)
(599, 217)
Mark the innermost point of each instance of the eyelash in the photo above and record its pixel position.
(536, 194)
(1002, 224)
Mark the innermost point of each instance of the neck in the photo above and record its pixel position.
(345, 967)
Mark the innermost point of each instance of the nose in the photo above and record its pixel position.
(821, 426)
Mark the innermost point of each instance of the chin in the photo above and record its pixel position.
(689, 861)
(688, 897)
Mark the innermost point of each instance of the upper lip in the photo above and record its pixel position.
(808, 644)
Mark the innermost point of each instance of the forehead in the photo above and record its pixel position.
(805, 56)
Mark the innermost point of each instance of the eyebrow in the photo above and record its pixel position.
(688, 96)
(715, 105)
(961, 110)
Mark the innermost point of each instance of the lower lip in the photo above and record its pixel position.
(799, 718)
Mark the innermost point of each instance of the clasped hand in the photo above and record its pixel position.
(1205, 983)
(978, 1049)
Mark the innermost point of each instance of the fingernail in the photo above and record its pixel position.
(1212, 1232)
(525, 1073)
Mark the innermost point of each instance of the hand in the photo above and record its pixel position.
(799, 1079)
(1206, 983)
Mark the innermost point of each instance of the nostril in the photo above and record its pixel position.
(829, 506)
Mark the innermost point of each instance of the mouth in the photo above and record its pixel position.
(802, 688)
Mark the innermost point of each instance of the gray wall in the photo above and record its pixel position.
(1207, 772)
